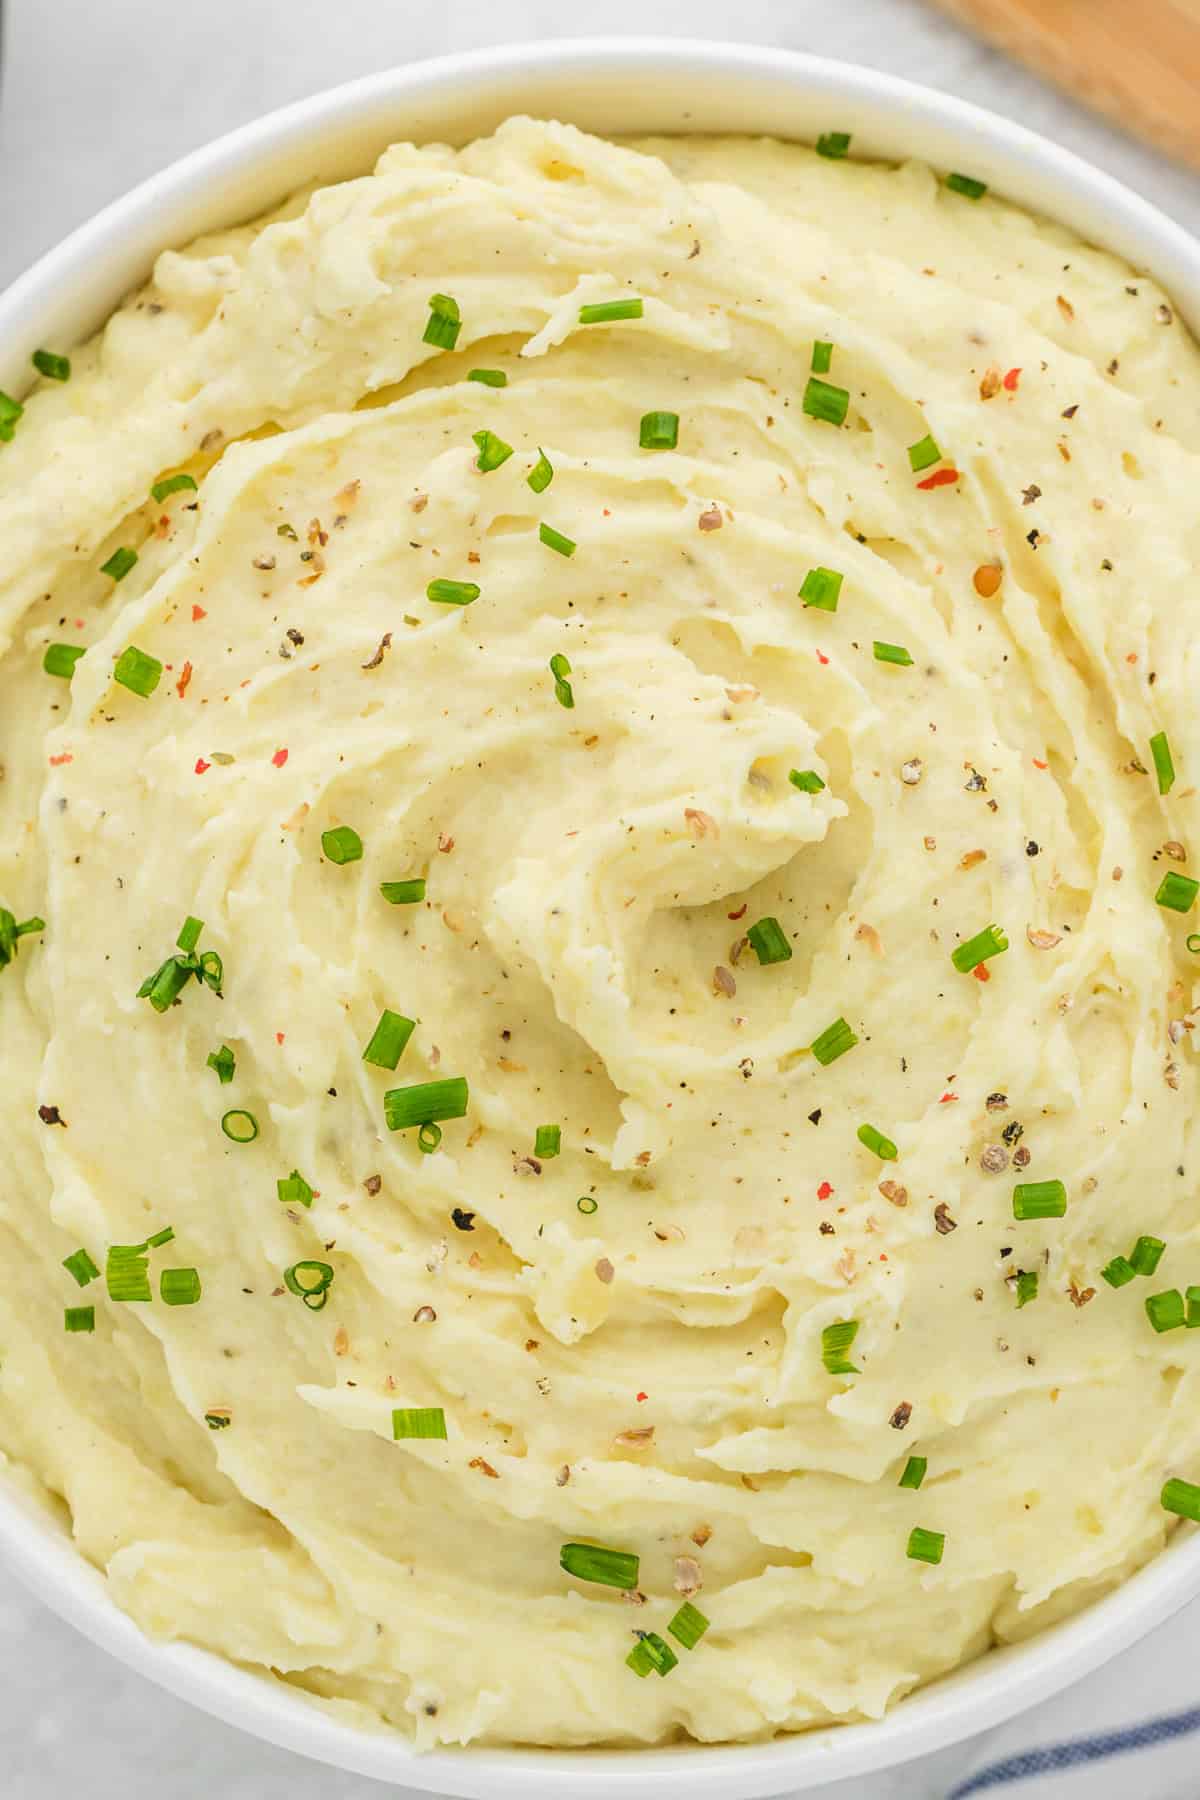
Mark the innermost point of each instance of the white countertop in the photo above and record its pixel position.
(72, 136)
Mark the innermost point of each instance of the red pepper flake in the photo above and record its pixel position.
(279, 758)
(202, 767)
(56, 762)
(1011, 380)
(741, 911)
(981, 972)
(198, 613)
(185, 676)
(940, 478)
(643, 1396)
(1039, 764)
(946, 1099)
(825, 1191)
(821, 658)
(279, 1037)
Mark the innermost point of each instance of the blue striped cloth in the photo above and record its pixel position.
(1131, 1731)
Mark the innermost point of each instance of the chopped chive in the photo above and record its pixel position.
(768, 942)
(883, 1147)
(661, 1657)
(1193, 943)
(1117, 1272)
(891, 653)
(914, 1472)
(52, 366)
(189, 934)
(1166, 1312)
(211, 971)
(403, 893)
(179, 1287)
(606, 311)
(489, 377)
(1027, 1287)
(1177, 891)
(807, 780)
(418, 1422)
(452, 593)
(547, 1141)
(1192, 1317)
(119, 564)
(224, 1062)
(640, 1659)
(80, 1265)
(554, 540)
(388, 1039)
(541, 474)
(688, 1626)
(923, 455)
(833, 144)
(127, 1273)
(822, 357)
(10, 412)
(11, 933)
(79, 1318)
(1164, 767)
(821, 589)
(424, 1102)
(1146, 1255)
(60, 659)
(444, 322)
(560, 668)
(293, 1190)
(429, 1136)
(172, 484)
(138, 672)
(342, 845)
(164, 1236)
(1182, 1497)
(925, 1546)
(966, 185)
(833, 1042)
(164, 987)
(591, 1562)
(986, 943)
(659, 431)
(587, 1204)
(824, 401)
(311, 1281)
(492, 451)
(239, 1126)
(835, 1347)
(1039, 1200)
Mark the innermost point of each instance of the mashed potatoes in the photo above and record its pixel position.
(714, 719)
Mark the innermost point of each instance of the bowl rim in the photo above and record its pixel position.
(107, 256)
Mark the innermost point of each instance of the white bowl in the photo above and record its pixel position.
(612, 86)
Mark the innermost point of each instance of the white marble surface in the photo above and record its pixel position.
(97, 94)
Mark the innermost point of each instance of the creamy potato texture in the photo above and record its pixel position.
(625, 1339)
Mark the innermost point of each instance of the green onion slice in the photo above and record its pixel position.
(875, 1141)
(342, 845)
(1182, 1497)
(966, 185)
(172, 484)
(835, 1347)
(1027, 1287)
(640, 1659)
(891, 653)
(547, 1141)
(1118, 1272)
(60, 659)
(127, 1273)
(591, 1562)
(833, 144)
(53, 367)
(452, 593)
(560, 668)
(554, 540)
(925, 1546)
(1164, 766)
(541, 474)
(768, 942)
(1039, 1200)
(311, 1281)
(80, 1265)
(492, 451)
(807, 780)
(1178, 892)
(661, 1657)
(79, 1318)
(833, 1042)
(923, 454)
(444, 322)
(293, 1190)
(388, 1039)
(11, 933)
(418, 1422)
(822, 357)
(223, 1062)
(1146, 1255)
(425, 1102)
(821, 589)
(403, 893)
(986, 943)
(179, 1287)
(160, 1237)
(138, 672)
(429, 1136)
(489, 377)
(688, 1626)
(607, 311)
(914, 1472)
(586, 1203)
(190, 933)
(1192, 1319)
(1167, 1311)
(119, 564)
(239, 1126)
(822, 400)
(659, 431)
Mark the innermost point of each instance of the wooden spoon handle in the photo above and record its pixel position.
(1136, 60)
